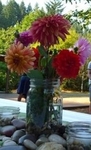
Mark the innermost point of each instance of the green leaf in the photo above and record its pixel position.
(35, 74)
(44, 62)
(42, 51)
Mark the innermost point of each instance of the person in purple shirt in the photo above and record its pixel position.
(23, 86)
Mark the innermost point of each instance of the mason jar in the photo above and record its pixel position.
(44, 103)
(78, 136)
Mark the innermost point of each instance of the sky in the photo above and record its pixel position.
(33, 2)
(41, 3)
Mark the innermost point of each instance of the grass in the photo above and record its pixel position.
(22, 115)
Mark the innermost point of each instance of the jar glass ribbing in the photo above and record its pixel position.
(79, 136)
(44, 103)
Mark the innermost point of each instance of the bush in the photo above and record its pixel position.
(12, 80)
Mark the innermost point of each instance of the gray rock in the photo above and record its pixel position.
(5, 121)
(41, 140)
(9, 142)
(5, 138)
(1, 137)
(51, 146)
(58, 139)
(18, 123)
(27, 136)
(13, 148)
(29, 144)
(17, 134)
(8, 130)
(0, 129)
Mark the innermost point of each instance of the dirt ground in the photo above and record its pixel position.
(82, 110)
(78, 96)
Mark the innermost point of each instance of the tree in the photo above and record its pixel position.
(1, 7)
(11, 13)
(36, 6)
(2, 18)
(7, 37)
(81, 20)
(54, 7)
(76, 1)
(29, 8)
(22, 9)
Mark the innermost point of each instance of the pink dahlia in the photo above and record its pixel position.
(66, 64)
(83, 49)
(47, 30)
(25, 38)
(19, 59)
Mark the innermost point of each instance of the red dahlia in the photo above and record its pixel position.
(37, 55)
(66, 64)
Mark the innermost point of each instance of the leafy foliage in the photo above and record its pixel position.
(12, 13)
(54, 7)
(27, 18)
(76, 1)
(80, 20)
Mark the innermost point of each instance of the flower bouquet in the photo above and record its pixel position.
(46, 67)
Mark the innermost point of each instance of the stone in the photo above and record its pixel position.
(14, 147)
(29, 144)
(0, 129)
(41, 140)
(9, 142)
(18, 123)
(51, 146)
(17, 134)
(8, 130)
(27, 136)
(5, 121)
(15, 137)
(1, 137)
(58, 139)
(5, 138)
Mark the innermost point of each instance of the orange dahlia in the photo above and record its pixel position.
(47, 30)
(19, 59)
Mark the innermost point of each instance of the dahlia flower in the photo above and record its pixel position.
(83, 49)
(66, 64)
(48, 29)
(25, 38)
(19, 59)
(37, 55)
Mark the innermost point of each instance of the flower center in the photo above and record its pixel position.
(17, 59)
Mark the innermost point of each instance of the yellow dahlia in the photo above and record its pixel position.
(19, 59)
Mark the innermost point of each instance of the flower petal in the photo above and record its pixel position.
(19, 58)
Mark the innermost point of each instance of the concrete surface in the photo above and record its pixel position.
(69, 99)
